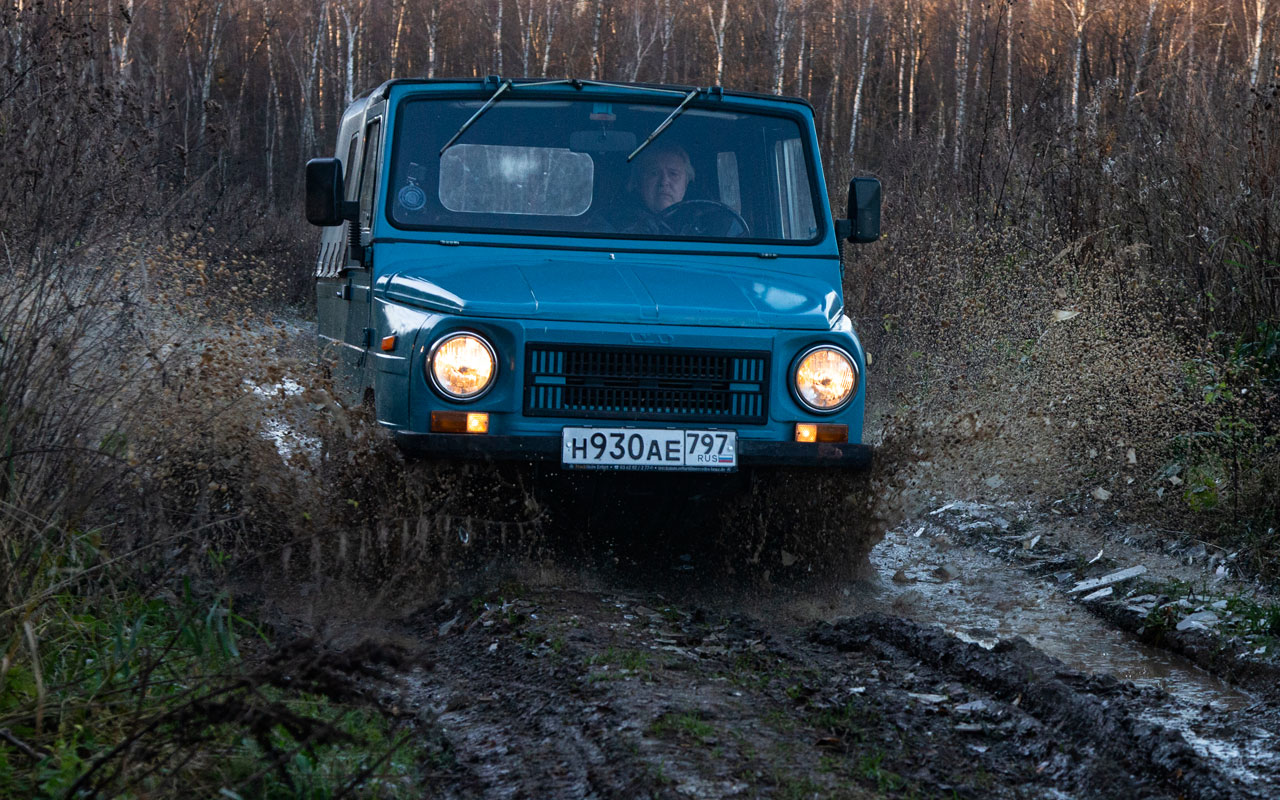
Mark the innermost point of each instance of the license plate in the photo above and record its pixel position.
(650, 449)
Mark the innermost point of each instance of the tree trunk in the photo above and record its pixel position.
(552, 11)
(1255, 58)
(801, 83)
(1079, 12)
(962, 77)
(433, 36)
(497, 40)
(717, 36)
(1142, 50)
(1008, 66)
(524, 17)
(206, 81)
(395, 41)
(862, 76)
(781, 35)
(595, 40)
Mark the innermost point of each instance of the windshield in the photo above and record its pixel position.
(561, 167)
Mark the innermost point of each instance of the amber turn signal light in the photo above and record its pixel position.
(821, 432)
(459, 422)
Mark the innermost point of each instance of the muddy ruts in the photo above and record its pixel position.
(1208, 649)
(1014, 671)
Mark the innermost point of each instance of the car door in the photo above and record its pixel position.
(358, 271)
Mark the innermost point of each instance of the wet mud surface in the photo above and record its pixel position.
(952, 672)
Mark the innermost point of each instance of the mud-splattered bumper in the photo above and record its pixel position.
(752, 453)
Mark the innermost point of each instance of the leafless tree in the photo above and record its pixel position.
(718, 23)
(864, 30)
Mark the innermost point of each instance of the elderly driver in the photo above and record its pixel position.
(661, 177)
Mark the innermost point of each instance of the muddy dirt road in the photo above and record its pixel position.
(967, 666)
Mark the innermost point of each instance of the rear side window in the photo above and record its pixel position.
(348, 174)
(369, 171)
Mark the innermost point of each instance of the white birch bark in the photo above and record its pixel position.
(274, 115)
(308, 84)
(433, 38)
(913, 69)
(862, 76)
(668, 32)
(595, 40)
(644, 32)
(1191, 40)
(352, 25)
(903, 47)
(212, 42)
(1078, 10)
(781, 35)
(962, 77)
(549, 20)
(1008, 66)
(833, 47)
(1142, 50)
(524, 18)
(1255, 50)
(16, 36)
(717, 36)
(801, 83)
(497, 41)
(400, 10)
(120, 47)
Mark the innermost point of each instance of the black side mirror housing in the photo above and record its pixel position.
(325, 205)
(864, 210)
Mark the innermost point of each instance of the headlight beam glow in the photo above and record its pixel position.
(826, 378)
(462, 366)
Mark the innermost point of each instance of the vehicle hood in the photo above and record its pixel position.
(655, 291)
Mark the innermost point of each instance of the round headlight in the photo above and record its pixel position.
(826, 378)
(462, 366)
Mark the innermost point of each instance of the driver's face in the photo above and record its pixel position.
(663, 181)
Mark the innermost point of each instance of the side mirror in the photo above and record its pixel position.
(325, 205)
(864, 210)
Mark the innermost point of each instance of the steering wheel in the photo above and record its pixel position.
(703, 218)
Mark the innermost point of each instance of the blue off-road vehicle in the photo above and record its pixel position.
(603, 276)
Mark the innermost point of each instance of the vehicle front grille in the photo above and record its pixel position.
(646, 383)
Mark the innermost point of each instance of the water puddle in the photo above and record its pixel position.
(978, 598)
(276, 428)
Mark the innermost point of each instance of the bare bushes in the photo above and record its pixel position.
(141, 472)
(1021, 363)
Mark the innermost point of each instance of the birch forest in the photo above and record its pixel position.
(1155, 118)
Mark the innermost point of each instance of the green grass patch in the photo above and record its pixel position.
(111, 687)
(621, 663)
(686, 725)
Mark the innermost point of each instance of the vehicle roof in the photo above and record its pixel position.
(493, 81)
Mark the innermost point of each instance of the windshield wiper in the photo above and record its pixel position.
(492, 98)
(670, 118)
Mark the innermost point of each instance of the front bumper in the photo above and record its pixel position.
(751, 452)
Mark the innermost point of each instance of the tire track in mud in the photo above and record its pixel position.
(1107, 733)
(519, 726)
(576, 693)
